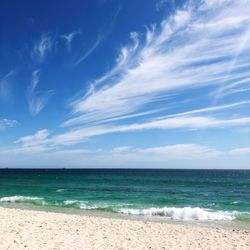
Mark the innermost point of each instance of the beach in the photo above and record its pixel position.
(27, 229)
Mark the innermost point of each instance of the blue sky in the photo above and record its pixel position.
(105, 83)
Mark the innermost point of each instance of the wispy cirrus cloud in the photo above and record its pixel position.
(192, 120)
(69, 37)
(5, 86)
(101, 36)
(162, 3)
(241, 151)
(37, 100)
(30, 144)
(4, 123)
(193, 48)
(213, 109)
(166, 156)
(194, 150)
(37, 138)
(183, 150)
(90, 50)
(196, 47)
(42, 47)
(186, 122)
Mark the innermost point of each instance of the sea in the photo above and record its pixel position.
(157, 194)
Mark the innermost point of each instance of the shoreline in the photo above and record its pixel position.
(227, 224)
(233, 224)
(30, 229)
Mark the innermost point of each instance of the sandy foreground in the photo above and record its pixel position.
(23, 229)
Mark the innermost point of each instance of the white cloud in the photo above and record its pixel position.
(33, 140)
(4, 123)
(199, 46)
(37, 100)
(31, 144)
(101, 36)
(168, 156)
(241, 151)
(5, 86)
(210, 109)
(121, 149)
(190, 120)
(162, 3)
(68, 38)
(187, 122)
(42, 47)
(194, 48)
(183, 151)
(91, 49)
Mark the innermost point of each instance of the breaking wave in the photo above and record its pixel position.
(17, 198)
(173, 213)
(186, 213)
(70, 202)
(86, 206)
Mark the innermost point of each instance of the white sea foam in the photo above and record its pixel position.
(88, 207)
(80, 204)
(69, 202)
(186, 213)
(19, 198)
(235, 202)
(60, 190)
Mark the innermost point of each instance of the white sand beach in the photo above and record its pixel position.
(36, 230)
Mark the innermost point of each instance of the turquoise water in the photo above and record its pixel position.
(214, 195)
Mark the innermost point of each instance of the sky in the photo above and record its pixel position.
(125, 84)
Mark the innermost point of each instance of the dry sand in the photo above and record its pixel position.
(23, 229)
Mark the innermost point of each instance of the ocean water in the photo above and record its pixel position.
(181, 195)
